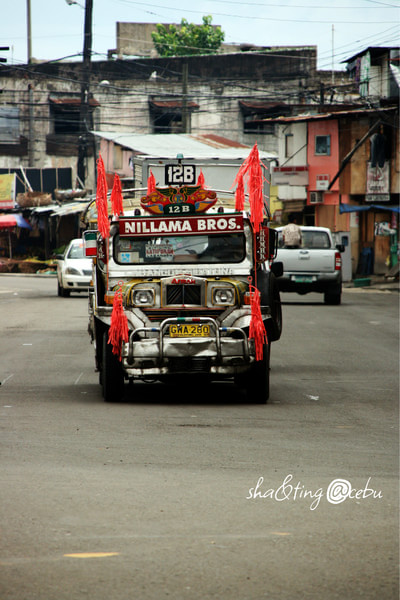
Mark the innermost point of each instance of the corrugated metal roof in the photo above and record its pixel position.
(329, 115)
(168, 145)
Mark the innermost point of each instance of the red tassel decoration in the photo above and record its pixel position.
(151, 183)
(257, 328)
(116, 197)
(239, 195)
(255, 185)
(200, 179)
(118, 332)
(251, 169)
(103, 223)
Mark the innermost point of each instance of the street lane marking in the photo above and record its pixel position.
(6, 379)
(77, 380)
(91, 554)
(280, 533)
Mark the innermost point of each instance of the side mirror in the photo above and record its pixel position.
(340, 247)
(58, 256)
(277, 268)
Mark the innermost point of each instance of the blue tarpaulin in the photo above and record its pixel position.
(346, 208)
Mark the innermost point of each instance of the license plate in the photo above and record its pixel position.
(189, 330)
(304, 279)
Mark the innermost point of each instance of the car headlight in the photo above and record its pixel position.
(143, 297)
(72, 271)
(224, 296)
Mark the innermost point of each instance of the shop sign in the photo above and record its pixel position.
(378, 183)
(7, 191)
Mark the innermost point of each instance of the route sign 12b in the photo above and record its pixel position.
(180, 174)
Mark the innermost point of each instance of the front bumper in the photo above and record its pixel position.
(152, 352)
(76, 283)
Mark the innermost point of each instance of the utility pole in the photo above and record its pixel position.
(29, 31)
(85, 83)
(184, 97)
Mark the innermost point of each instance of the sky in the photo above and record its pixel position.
(339, 28)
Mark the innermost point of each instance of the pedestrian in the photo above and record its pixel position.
(292, 233)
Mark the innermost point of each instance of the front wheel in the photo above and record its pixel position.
(257, 379)
(112, 375)
(62, 292)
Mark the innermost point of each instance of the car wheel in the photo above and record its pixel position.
(256, 382)
(112, 375)
(62, 291)
(333, 298)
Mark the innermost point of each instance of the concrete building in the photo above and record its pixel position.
(227, 94)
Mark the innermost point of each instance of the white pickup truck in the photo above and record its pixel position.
(316, 266)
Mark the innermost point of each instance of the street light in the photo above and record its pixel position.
(71, 2)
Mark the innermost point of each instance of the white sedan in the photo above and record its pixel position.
(74, 270)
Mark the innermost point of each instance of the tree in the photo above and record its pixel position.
(187, 38)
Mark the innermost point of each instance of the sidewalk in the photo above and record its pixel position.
(377, 282)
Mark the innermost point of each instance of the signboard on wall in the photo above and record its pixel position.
(322, 182)
(378, 183)
(7, 191)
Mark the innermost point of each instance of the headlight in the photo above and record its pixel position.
(72, 271)
(224, 296)
(143, 297)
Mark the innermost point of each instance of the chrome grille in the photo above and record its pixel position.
(183, 294)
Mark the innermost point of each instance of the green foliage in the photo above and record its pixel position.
(188, 38)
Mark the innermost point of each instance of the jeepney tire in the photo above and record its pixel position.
(257, 379)
(112, 375)
(270, 296)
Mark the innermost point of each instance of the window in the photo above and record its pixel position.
(288, 145)
(215, 248)
(166, 115)
(9, 125)
(323, 145)
(318, 240)
(117, 157)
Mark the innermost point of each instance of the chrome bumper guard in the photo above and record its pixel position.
(159, 346)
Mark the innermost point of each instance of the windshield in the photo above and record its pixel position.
(215, 248)
(310, 239)
(76, 251)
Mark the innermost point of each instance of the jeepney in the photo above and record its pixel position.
(174, 285)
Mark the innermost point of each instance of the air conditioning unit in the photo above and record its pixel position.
(316, 197)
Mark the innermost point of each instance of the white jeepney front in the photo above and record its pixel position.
(186, 295)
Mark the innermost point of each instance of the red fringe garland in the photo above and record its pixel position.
(257, 329)
(151, 183)
(118, 332)
(200, 179)
(103, 223)
(255, 185)
(239, 195)
(116, 197)
(251, 169)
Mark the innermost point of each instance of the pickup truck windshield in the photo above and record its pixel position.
(310, 240)
(213, 248)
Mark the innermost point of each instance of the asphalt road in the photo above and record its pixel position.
(188, 493)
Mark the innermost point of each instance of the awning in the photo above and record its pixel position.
(347, 208)
(69, 101)
(13, 220)
(166, 105)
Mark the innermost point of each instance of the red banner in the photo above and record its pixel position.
(183, 226)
